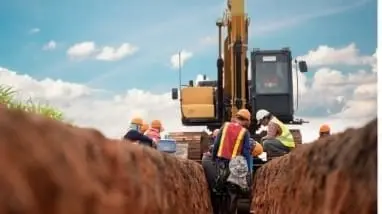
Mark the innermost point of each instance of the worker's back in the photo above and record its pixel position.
(231, 140)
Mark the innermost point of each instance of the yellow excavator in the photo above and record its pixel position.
(210, 103)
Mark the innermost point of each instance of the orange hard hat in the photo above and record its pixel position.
(156, 124)
(244, 113)
(324, 128)
(257, 149)
(137, 120)
(144, 127)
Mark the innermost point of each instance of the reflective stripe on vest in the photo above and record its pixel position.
(231, 140)
(286, 137)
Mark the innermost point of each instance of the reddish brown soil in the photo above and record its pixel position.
(47, 167)
(334, 175)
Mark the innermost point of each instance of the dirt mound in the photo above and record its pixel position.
(331, 176)
(47, 167)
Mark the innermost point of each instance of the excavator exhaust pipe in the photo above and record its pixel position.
(220, 64)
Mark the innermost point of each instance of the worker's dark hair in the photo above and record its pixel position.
(269, 116)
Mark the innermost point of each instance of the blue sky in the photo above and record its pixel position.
(160, 29)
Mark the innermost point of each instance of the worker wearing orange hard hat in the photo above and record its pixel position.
(233, 140)
(134, 133)
(324, 130)
(256, 148)
(154, 131)
(279, 140)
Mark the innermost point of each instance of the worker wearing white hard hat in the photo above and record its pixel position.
(279, 140)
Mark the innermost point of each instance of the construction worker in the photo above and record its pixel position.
(279, 140)
(154, 131)
(233, 140)
(231, 148)
(324, 130)
(144, 127)
(133, 133)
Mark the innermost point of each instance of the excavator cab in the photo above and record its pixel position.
(272, 83)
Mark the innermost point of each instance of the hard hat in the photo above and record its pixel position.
(244, 113)
(260, 114)
(137, 120)
(257, 149)
(215, 133)
(144, 127)
(324, 128)
(156, 124)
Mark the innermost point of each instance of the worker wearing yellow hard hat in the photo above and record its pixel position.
(154, 131)
(233, 139)
(324, 130)
(279, 140)
(134, 133)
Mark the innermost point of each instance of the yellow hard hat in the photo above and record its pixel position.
(324, 128)
(144, 127)
(137, 121)
(156, 124)
(244, 113)
(257, 149)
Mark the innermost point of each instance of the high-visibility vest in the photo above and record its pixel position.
(231, 141)
(286, 137)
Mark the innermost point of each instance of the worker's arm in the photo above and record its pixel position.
(135, 135)
(272, 131)
(217, 144)
(246, 151)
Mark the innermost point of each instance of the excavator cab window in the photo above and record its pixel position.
(272, 74)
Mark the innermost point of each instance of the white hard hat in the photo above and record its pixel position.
(260, 114)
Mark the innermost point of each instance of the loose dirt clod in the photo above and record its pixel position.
(334, 175)
(47, 167)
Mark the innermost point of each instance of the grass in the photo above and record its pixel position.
(7, 97)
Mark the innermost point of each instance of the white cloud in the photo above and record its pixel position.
(34, 30)
(107, 53)
(51, 45)
(184, 56)
(325, 55)
(81, 50)
(113, 54)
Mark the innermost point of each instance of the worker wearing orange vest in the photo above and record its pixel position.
(134, 133)
(233, 140)
(324, 130)
(154, 131)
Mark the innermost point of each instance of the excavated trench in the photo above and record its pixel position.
(47, 167)
(334, 175)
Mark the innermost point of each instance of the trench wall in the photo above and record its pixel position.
(334, 175)
(48, 167)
